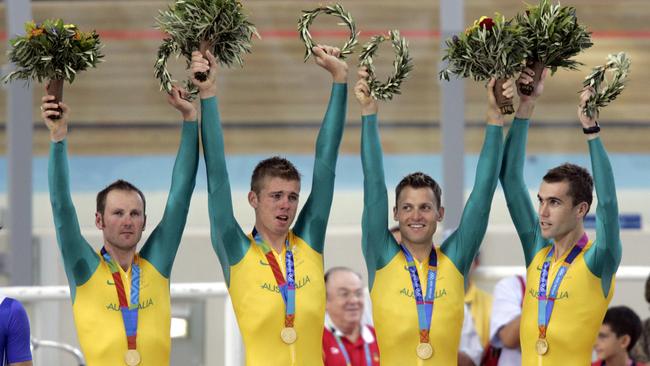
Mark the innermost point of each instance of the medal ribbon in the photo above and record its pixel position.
(424, 303)
(545, 303)
(348, 361)
(288, 287)
(129, 312)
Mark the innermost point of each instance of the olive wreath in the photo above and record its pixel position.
(619, 65)
(337, 10)
(402, 65)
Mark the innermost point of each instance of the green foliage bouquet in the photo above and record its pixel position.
(53, 51)
(606, 91)
(555, 36)
(220, 26)
(490, 48)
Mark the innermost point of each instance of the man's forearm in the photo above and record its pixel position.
(464, 360)
(25, 363)
(525, 110)
(509, 333)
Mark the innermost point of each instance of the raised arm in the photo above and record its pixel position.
(376, 239)
(463, 244)
(228, 240)
(79, 259)
(162, 245)
(520, 206)
(604, 256)
(311, 224)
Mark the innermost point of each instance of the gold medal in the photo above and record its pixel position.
(424, 351)
(132, 357)
(541, 346)
(288, 335)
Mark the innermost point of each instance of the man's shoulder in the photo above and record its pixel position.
(328, 337)
(10, 308)
(510, 282)
(9, 305)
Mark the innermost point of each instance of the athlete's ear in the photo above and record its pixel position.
(252, 199)
(395, 213)
(99, 221)
(583, 208)
(441, 214)
(625, 341)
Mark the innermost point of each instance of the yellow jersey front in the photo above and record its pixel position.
(99, 322)
(396, 318)
(577, 314)
(260, 309)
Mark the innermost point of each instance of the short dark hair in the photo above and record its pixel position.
(624, 321)
(333, 270)
(419, 180)
(581, 185)
(274, 167)
(120, 185)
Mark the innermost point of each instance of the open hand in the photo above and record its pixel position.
(177, 99)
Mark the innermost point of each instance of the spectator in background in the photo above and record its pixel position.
(346, 340)
(641, 352)
(479, 303)
(470, 348)
(620, 330)
(14, 334)
(504, 320)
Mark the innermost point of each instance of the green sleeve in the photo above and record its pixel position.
(228, 240)
(311, 224)
(162, 245)
(377, 243)
(520, 206)
(604, 256)
(463, 244)
(79, 259)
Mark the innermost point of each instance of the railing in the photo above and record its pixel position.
(76, 353)
(232, 339)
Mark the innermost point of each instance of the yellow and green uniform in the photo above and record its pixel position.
(393, 304)
(95, 304)
(480, 305)
(586, 290)
(255, 295)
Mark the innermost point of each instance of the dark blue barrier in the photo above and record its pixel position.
(626, 221)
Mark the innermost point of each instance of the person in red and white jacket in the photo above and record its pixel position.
(346, 340)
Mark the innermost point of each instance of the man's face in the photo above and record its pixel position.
(418, 215)
(276, 204)
(608, 344)
(123, 219)
(557, 214)
(344, 299)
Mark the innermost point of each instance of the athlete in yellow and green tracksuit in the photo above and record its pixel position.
(587, 288)
(255, 295)
(393, 304)
(95, 306)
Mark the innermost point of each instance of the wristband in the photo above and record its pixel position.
(591, 130)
